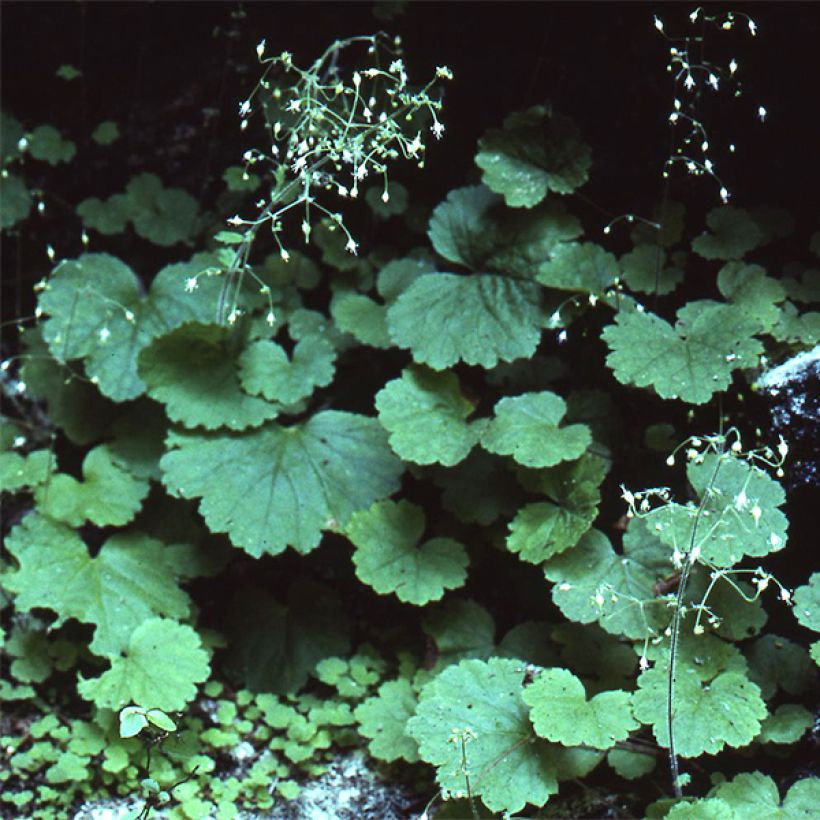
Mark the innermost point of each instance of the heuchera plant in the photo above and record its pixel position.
(410, 413)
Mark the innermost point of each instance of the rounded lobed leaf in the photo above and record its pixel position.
(383, 720)
(389, 558)
(734, 234)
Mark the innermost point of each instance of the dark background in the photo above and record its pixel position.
(153, 67)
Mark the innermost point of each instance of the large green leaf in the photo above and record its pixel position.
(741, 513)
(479, 319)
(193, 371)
(691, 361)
(275, 646)
(389, 557)
(125, 583)
(96, 312)
(536, 152)
(425, 414)
(473, 716)
(471, 228)
(281, 486)
(560, 711)
(158, 669)
(526, 428)
(594, 583)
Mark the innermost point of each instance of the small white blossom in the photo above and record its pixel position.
(658, 24)
(270, 318)
(724, 195)
(438, 129)
(785, 595)
(50, 253)
(244, 108)
(741, 500)
(643, 663)
(752, 27)
(732, 65)
(756, 513)
(104, 334)
(191, 284)
(285, 255)
(260, 48)
(689, 82)
(129, 316)
(444, 73)
(761, 113)
(385, 197)
(352, 247)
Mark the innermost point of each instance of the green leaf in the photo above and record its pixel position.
(711, 808)
(543, 529)
(193, 371)
(132, 721)
(389, 558)
(471, 228)
(526, 428)
(475, 710)
(692, 360)
(535, 153)
(754, 795)
(579, 266)
(477, 490)
(776, 662)
(397, 275)
(645, 270)
(362, 317)
(383, 719)
(560, 711)
(107, 495)
(807, 603)
(159, 719)
(237, 179)
(630, 765)
(742, 508)
(11, 132)
(159, 669)
(266, 370)
(757, 294)
(20, 471)
(479, 319)
(68, 72)
(786, 725)
(396, 202)
(15, 200)
(106, 133)
(164, 216)
(274, 646)
(45, 143)
(460, 629)
(726, 711)
(425, 414)
(734, 234)
(108, 216)
(127, 582)
(594, 583)
(97, 313)
(281, 486)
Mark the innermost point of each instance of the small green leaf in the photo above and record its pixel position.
(383, 719)
(734, 234)
(645, 270)
(560, 711)
(68, 72)
(106, 133)
(132, 721)
(526, 428)
(107, 495)
(630, 765)
(362, 317)
(159, 719)
(536, 152)
(45, 143)
(579, 266)
(396, 200)
(108, 217)
(786, 725)
(266, 370)
(691, 361)
(776, 662)
(237, 179)
(15, 200)
(389, 558)
(757, 294)
(807, 603)
(480, 319)
(20, 471)
(425, 414)
(159, 669)
(460, 629)
(165, 216)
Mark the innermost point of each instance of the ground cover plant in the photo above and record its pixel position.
(312, 466)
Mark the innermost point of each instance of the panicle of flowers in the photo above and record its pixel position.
(693, 73)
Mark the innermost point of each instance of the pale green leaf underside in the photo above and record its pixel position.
(192, 371)
(125, 583)
(526, 428)
(281, 486)
(159, 669)
(692, 361)
(425, 414)
(389, 558)
(507, 770)
(479, 319)
(560, 711)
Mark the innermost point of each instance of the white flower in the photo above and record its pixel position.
(444, 73)
(191, 284)
(385, 197)
(415, 146)
(245, 108)
(643, 663)
(732, 65)
(659, 24)
(285, 255)
(352, 247)
(270, 318)
(741, 500)
(438, 129)
(129, 316)
(260, 49)
(756, 513)
(689, 82)
(104, 334)
(761, 113)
